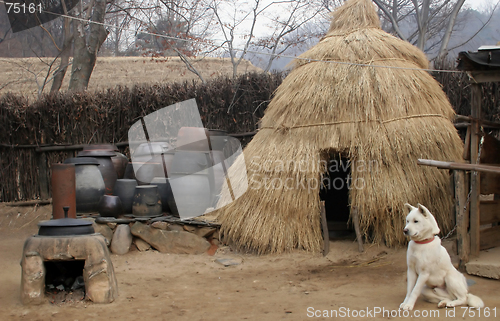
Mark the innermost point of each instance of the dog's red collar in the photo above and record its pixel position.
(425, 241)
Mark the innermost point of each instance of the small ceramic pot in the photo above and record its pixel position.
(110, 206)
(146, 202)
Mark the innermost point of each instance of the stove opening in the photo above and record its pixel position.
(64, 281)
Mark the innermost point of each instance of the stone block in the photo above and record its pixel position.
(141, 244)
(205, 231)
(175, 227)
(176, 242)
(104, 230)
(122, 239)
(160, 225)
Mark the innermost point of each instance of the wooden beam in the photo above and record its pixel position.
(463, 243)
(29, 203)
(460, 166)
(483, 76)
(468, 119)
(466, 154)
(326, 234)
(475, 177)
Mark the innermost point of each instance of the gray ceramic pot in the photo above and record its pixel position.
(89, 183)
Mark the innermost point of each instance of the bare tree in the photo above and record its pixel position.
(284, 24)
(428, 23)
(87, 42)
(241, 26)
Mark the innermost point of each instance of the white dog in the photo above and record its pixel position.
(430, 271)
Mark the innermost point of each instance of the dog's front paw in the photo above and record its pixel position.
(406, 307)
(443, 303)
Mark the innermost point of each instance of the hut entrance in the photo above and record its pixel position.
(335, 192)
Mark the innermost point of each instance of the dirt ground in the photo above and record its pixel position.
(295, 286)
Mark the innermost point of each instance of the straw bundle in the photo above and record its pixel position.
(382, 119)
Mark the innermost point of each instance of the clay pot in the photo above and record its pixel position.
(106, 167)
(151, 160)
(63, 190)
(110, 206)
(125, 189)
(89, 183)
(145, 151)
(146, 202)
(165, 193)
(189, 180)
(218, 139)
(129, 172)
(120, 162)
(193, 139)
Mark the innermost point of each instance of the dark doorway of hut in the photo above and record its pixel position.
(64, 281)
(334, 192)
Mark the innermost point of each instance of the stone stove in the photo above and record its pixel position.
(98, 272)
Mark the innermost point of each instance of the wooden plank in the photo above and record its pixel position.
(463, 243)
(466, 154)
(324, 226)
(490, 212)
(460, 166)
(475, 177)
(490, 237)
(355, 219)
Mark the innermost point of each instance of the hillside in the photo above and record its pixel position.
(26, 75)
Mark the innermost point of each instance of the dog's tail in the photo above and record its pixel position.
(474, 301)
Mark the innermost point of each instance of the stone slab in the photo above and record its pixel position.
(486, 265)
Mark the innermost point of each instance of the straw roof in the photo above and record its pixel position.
(382, 119)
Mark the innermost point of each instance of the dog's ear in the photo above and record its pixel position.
(409, 208)
(423, 210)
(435, 228)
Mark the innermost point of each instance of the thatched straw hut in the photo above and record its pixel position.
(359, 94)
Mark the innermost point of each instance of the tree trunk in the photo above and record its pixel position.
(63, 64)
(443, 50)
(86, 48)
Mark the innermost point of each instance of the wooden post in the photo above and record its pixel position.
(463, 242)
(466, 154)
(43, 176)
(324, 225)
(355, 219)
(475, 177)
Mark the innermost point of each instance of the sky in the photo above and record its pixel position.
(479, 4)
